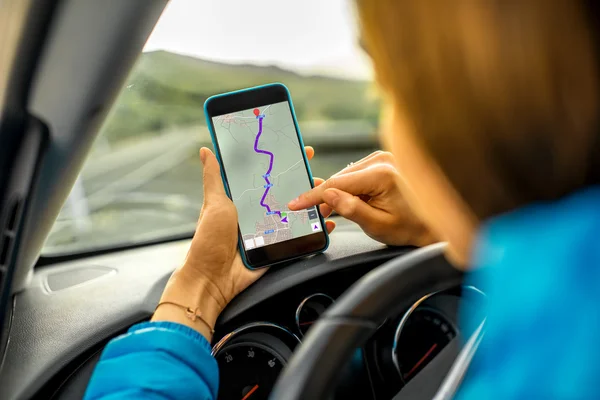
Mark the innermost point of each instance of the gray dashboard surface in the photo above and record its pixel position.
(52, 327)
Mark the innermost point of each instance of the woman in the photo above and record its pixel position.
(492, 118)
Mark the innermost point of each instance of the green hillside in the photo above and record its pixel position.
(167, 90)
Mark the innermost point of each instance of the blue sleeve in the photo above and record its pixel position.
(156, 360)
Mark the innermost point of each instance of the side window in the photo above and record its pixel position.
(142, 180)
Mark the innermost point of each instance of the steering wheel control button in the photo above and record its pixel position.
(310, 309)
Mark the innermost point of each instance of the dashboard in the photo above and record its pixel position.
(251, 356)
(69, 311)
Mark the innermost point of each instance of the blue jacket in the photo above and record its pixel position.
(156, 360)
(542, 278)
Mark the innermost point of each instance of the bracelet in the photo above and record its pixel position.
(192, 314)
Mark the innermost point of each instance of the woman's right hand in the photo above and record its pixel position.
(368, 193)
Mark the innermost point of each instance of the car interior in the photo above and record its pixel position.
(100, 189)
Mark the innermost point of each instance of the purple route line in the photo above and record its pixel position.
(271, 156)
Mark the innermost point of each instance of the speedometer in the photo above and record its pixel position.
(250, 360)
(248, 371)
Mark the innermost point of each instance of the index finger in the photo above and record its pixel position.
(355, 183)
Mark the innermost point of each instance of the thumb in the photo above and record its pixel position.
(350, 207)
(213, 184)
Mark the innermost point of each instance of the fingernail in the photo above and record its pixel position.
(203, 155)
(294, 202)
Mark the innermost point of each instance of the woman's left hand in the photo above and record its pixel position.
(213, 272)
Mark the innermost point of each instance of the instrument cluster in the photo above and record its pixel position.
(252, 357)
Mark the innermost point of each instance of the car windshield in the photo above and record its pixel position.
(142, 180)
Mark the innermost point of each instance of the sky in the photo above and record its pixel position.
(307, 36)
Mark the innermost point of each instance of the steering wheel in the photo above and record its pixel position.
(314, 369)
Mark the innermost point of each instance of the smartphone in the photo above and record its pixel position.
(263, 165)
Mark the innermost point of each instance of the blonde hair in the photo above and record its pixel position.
(503, 94)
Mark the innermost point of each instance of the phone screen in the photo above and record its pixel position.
(265, 169)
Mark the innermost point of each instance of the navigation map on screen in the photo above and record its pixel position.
(265, 170)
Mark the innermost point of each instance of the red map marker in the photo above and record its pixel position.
(256, 112)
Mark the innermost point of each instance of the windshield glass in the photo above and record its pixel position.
(143, 180)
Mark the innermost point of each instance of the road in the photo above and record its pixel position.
(153, 188)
